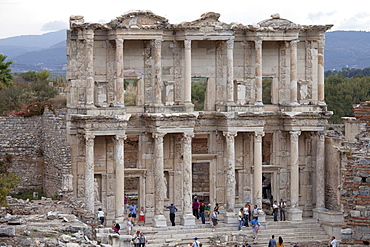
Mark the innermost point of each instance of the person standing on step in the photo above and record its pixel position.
(214, 220)
(196, 208)
(207, 213)
(246, 214)
(133, 209)
(141, 216)
(173, 210)
(201, 212)
(241, 219)
(333, 242)
(142, 240)
(255, 212)
(136, 239)
(196, 243)
(280, 243)
(275, 209)
(272, 242)
(282, 206)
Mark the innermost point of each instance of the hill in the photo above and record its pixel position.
(343, 49)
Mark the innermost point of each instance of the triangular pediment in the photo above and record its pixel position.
(277, 23)
(140, 18)
(209, 19)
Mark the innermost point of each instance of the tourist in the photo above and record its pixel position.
(116, 228)
(173, 210)
(201, 212)
(216, 208)
(280, 243)
(207, 212)
(275, 209)
(136, 239)
(333, 242)
(272, 242)
(241, 219)
(141, 216)
(214, 220)
(246, 245)
(255, 212)
(195, 208)
(142, 240)
(246, 214)
(130, 223)
(296, 245)
(133, 210)
(196, 243)
(255, 226)
(282, 206)
(101, 216)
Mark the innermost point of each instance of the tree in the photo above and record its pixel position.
(5, 76)
(8, 181)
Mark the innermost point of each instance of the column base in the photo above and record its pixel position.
(261, 216)
(317, 212)
(187, 220)
(231, 218)
(159, 221)
(120, 240)
(294, 214)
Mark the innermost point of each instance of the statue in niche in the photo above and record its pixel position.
(96, 190)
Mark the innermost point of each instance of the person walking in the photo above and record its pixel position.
(275, 209)
(241, 219)
(130, 223)
(207, 213)
(280, 243)
(272, 242)
(173, 210)
(282, 206)
(101, 216)
(132, 210)
(214, 220)
(255, 226)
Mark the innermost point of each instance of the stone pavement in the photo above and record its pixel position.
(306, 232)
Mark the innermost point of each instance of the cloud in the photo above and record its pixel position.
(320, 15)
(54, 26)
(360, 21)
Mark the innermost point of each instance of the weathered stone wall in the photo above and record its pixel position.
(57, 157)
(38, 150)
(20, 140)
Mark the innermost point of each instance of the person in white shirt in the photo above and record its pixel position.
(333, 242)
(275, 209)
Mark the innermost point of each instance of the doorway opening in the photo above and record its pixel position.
(200, 183)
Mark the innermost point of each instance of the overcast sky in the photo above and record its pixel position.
(23, 17)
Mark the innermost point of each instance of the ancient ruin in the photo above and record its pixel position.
(134, 130)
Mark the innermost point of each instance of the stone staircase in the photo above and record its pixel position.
(307, 233)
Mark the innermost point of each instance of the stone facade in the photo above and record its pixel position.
(246, 135)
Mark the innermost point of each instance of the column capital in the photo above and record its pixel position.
(158, 43)
(258, 42)
(230, 135)
(258, 135)
(89, 138)
(321, 135)
(119, 41)
(294, 43)
(158, 135)
(187, 43)
(119, 139)
(187, 136)
(294, 135)
(230, 43)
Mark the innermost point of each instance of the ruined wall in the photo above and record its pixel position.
(38, 150)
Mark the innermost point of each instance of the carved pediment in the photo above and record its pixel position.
(140, 19)
(209, 19)
(277, 23)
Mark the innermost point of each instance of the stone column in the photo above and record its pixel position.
(158, 84)
(120, 96)
(320, 72)
(295, 213)
(89, 58)
(320, 171)
(293, 72)
(119, 155)
(257, 173)
(187, 72)
(258, 83)
(230, 71)
(188, 218)
(89, 172)
(159, 219)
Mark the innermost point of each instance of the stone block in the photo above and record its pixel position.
(355, 213)
(7, 231)
(346, 231)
